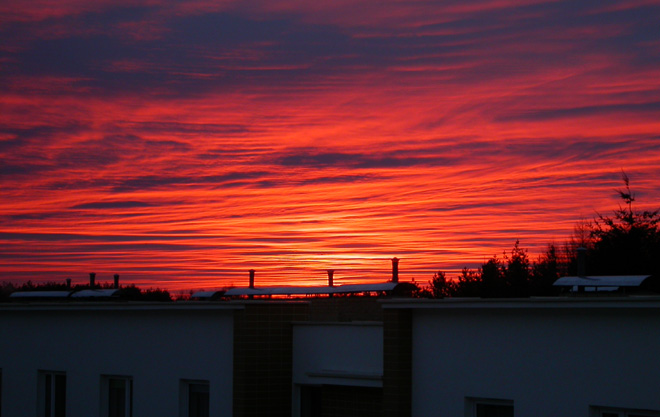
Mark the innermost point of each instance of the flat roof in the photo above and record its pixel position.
(118, 306)
(95, 293)
(40, 294)
(641, 301)
(602, 281)
(266, 291)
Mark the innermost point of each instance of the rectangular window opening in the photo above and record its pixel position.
(116, 396)
(195, 398)
(488, 407)
(52, 394)
(311, 400)
(599, 411)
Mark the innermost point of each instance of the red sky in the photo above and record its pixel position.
(180, 144)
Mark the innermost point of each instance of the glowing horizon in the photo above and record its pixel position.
(182, 144)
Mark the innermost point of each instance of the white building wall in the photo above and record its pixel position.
(155, 346)
(551, 361)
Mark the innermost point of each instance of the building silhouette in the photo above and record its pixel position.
(343, 355)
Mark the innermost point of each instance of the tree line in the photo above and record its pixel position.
(625, 243)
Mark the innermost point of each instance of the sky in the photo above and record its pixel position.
(180, 144)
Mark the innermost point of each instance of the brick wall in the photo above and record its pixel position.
(262, 357)
(345, 309)
(397, 369)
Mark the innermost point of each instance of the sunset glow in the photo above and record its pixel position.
(182, 144)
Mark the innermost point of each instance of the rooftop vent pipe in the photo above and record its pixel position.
(331, 273)
(92, 279)
(116, 281)
(395, 270)
(582, 262)
(251, 278)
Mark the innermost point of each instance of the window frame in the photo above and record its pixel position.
(51, 387)
(106, 382)
(185, 386)
(600, 411)
(471, 404)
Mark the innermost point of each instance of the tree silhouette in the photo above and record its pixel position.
(440, 287)
(468, 284)
(580, 238)
(544, 272)
(493, 283)
(510, 276)
(517, 272)
(627, 243)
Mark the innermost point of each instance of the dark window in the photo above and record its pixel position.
(488, 407)
(120, 396)
(196, 400)
(310, 401)
(623, 412)
(494, 410)
(53, 394)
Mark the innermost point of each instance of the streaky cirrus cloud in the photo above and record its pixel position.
(182, 143)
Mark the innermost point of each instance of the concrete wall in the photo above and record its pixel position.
(550, 360)
(339, 354)
(345, 362)
(156, 346)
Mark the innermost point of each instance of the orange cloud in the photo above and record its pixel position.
(192, 142)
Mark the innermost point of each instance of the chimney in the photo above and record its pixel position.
(582, 262)
(116, 281)
(92, 278)
(68, 283)
(331, 273)
(395, 270)
(251, 278)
